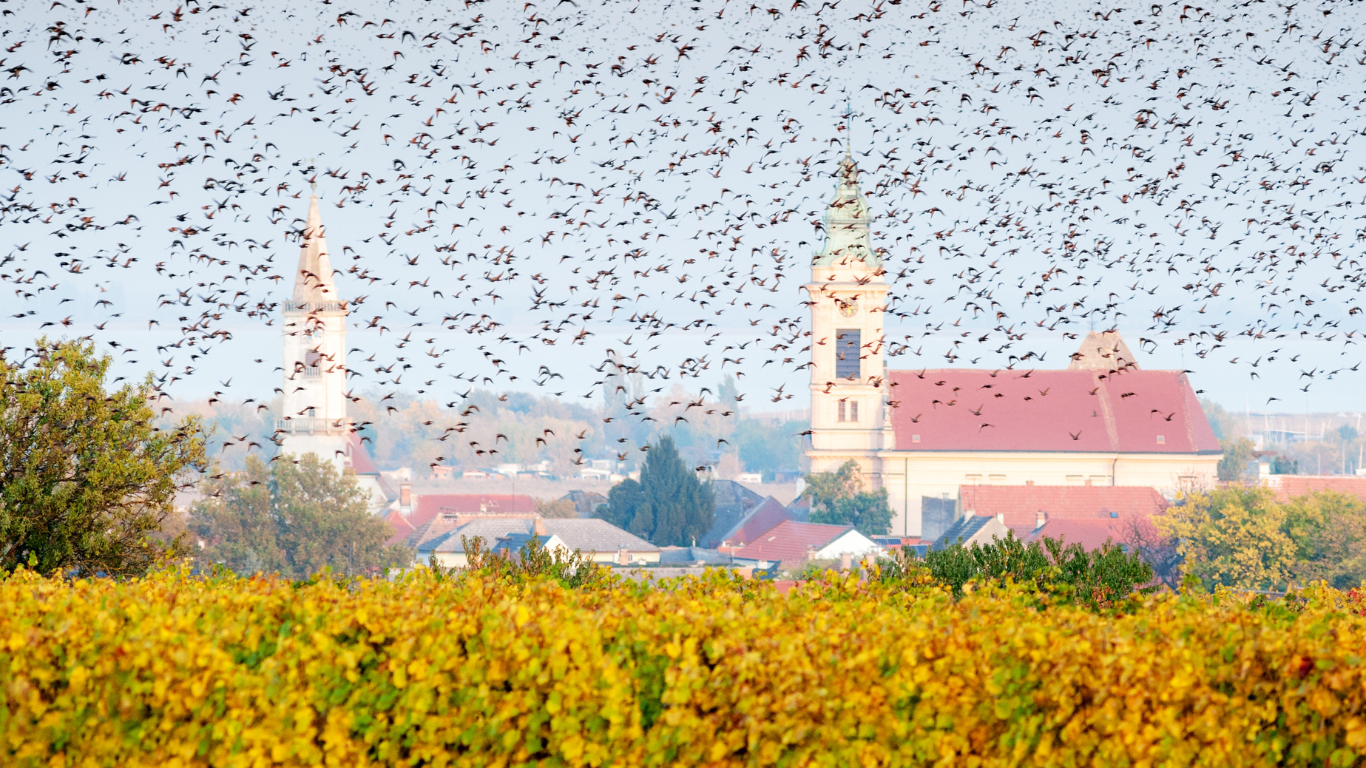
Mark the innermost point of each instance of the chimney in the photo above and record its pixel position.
(623, 557)
(405, 498)
(810, 553)
(538, 525)
(846, 562)
(1040, 518)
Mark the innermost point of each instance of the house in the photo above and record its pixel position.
(511, 545)
(919, 434)
(1291, 486)
(601, 541)
(760, 520)
(973, 529)
(585, 502)
(733, 503)
(412, 511)
(1026, 508)
(1086, 515)
(793, 542)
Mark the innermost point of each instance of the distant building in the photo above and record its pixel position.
(444, 538)
(922, 433)
(411, 512)
(313, 411)
(1086, 515)
(1290, 486)
(586, 503)
(733, 502)
(794, 543)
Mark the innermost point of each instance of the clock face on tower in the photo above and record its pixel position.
(848, 308)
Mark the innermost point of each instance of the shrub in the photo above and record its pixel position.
(1100, 578)
(476, 670)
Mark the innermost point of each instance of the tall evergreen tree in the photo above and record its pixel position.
(669, 506)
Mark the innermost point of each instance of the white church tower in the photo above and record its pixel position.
(850, 418)
(313, 415)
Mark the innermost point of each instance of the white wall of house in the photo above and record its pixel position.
(849, 543)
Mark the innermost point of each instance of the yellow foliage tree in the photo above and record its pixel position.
(1233, 536)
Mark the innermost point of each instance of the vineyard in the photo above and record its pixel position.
(177, 670)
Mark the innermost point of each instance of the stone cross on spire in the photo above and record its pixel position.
(313, 280)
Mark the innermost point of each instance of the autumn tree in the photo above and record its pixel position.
(1234, 536)
(1328, 531)
(294, 520)
(86, 478)
(839, 498)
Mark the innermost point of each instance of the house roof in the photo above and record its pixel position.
(584, 534)
(593, 535)
(964, 409)
(762, 519)
(790, 540)
(1021, 504)
(964, 529)
(361, 463)
(733, 504)
(490, 530)
(1290, 486)
(513, 542)
(1091, 534)
(427, 507)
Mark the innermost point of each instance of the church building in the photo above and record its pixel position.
(313, 415)
(922, 434)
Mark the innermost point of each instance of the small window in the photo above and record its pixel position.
(842, 411)
(973, 479)
(853, 410)
(1161, 440)
(915, 438)
(847, 350)
(1075, 479)
(995, 479)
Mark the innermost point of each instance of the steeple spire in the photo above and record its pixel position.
(847, 237)
(313, 280)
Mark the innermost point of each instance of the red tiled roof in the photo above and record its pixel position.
(1060, 411)
(1021, 503)
(767, 516)
(488, 503)
(790, 540)
(361, 463)
(428, 506)
(1290, 486)
(402, 526)
(1091, 534)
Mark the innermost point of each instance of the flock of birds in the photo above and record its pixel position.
(539, 194)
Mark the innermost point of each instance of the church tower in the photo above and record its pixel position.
(313, 415)
(850, 418)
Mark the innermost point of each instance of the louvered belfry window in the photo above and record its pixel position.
(847, 350)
